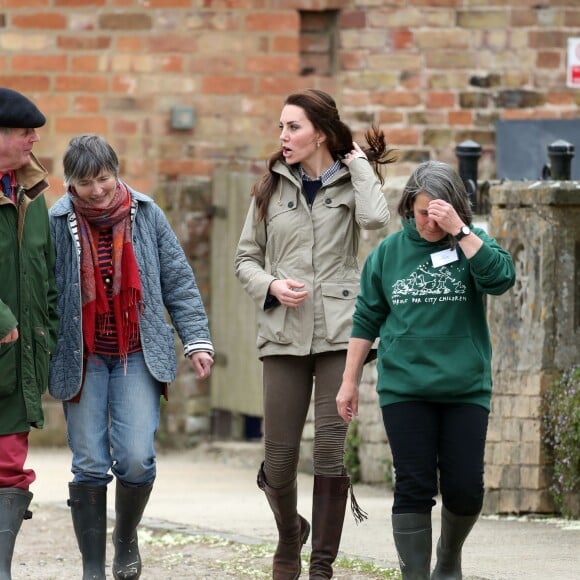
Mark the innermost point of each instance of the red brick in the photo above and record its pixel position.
(84, 104)
(524, 17)
(129, 43)
(172, 43)
(41, 20)
(25, 3)
(87, 63)
(125, 21)
(77, 42)
(31, 62)
(397, 98)
(184, 167)
(218, 65)
(390, 118)
(353, 19)
(560, 98)
(226, 85)
(402, 136)
(548, 59)
(543, 39)
(51, 103)
(153, 4)
(439, 100)
(460, 118)
(353, 60)
(82, 83)
(123, 84)
(124, 126)
(79, 3)
(271, 21)
(284, 43)
(572, 18)
(81, 124)
(402, 39)
(25, 83)
(171, 63)
(282, 85)
(272, 64)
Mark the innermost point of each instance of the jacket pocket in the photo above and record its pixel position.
(41, 359)
(338, 299)
(272, 326)
(8, 375)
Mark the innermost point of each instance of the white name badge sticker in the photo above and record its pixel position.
(444, 257)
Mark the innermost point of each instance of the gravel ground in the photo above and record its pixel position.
(46, 549)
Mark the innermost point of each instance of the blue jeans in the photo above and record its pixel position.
(113, 426)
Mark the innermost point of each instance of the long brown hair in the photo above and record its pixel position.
(320, 109)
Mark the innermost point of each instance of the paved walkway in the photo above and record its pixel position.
(215, 492)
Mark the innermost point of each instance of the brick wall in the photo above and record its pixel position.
(432, 73)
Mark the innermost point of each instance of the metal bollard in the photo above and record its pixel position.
(468, 154)
(560, 153)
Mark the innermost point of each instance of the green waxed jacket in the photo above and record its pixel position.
(316, 245)
(27, 300)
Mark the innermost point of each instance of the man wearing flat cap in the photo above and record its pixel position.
(28, 321)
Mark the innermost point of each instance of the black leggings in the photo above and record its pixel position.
(288, 384)
(427, 437)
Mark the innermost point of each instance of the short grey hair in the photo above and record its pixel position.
(86, 157)
(439, 181)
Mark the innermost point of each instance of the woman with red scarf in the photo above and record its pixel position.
(119, 269)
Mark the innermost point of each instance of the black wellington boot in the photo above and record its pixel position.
(130, 504)
(454, 531)
(293, 529)
(14, 504)
(412, 533)
(88, 506)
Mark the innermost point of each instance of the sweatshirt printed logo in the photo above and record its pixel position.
(429, 284)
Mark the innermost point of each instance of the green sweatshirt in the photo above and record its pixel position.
(434, 339)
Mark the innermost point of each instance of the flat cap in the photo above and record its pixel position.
(17, 111)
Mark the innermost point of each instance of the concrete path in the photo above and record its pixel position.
(216, 492)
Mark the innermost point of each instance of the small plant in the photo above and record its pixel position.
(561, 439)
(351, 457)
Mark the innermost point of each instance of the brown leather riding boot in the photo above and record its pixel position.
(293, 529)
(328, 508)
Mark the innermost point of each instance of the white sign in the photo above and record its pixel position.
(573, 69)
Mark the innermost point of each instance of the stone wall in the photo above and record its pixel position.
(536, 334)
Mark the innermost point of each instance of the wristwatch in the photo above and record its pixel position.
(464, 231)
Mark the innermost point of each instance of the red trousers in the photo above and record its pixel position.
(13, 452)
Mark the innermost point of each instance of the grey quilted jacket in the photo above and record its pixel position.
(167, 281)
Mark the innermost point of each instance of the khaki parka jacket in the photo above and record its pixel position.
(316, 245)
(27, 300)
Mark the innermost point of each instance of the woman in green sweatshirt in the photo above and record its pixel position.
(422, 293)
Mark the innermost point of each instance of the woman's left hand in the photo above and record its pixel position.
(201, 363)
(355, 152)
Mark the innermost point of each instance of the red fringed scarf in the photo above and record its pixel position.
(127, 299)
